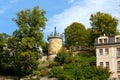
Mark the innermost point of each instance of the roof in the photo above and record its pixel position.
(110, 41)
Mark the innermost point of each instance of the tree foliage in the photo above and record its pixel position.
(103, 23)
(75, 34)
(3, 39)
(80, 69)
(31, 24)
(22, 51)
(29, 34)
(45, 47)
(62, 56)
(90, 37)
(3, 57)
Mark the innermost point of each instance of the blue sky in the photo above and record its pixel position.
(60, 13)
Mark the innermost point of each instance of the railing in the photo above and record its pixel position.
(109, 43)
(55, 36)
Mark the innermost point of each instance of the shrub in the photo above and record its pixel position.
(61, 57)
(68, 60)
(55, 72)
(44, 72)
(53, 64)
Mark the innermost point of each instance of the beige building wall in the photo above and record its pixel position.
(55, 45)
(111, 56)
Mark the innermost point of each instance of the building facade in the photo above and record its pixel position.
(55, 44)
(108, 54)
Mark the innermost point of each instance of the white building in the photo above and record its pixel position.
(108, 54)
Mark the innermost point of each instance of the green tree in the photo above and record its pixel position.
(30, 24)
(45, 47)
(61, 57)
(103, 23)
(3, 39)
(75, 35)
(90, 37)
(22, 50)
(30, 36)
(3, 55)
(3, 42)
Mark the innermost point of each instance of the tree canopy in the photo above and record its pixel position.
(22, 52)
(31, 24)
(75, 34)
(103, 23)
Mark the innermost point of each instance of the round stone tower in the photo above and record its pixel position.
(55, 44)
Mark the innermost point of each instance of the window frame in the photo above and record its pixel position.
(101, 51)
(118, 52)
(107, 64)
(106, 51)
(105, 40)
(101, 64)
(117, 39)
(118, 66)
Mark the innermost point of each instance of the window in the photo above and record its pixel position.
(118, 66)
(101, 64)
(107, 65)
(118, 39)
(105, 40)
(118, 77)
(106, 51)
(100, 41)
(101, 51)
(118, 52)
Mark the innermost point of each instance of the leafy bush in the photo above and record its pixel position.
(85, 60)
(61, 57)
(44, 72)
(68, 60)
(81, 68)
(55, 72)
(53, 64)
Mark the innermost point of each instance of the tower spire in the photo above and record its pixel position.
(55, 33)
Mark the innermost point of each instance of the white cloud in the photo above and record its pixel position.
(6, 6)
(71, 1)
(80, 12)
(1, 11)
(13, 1)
